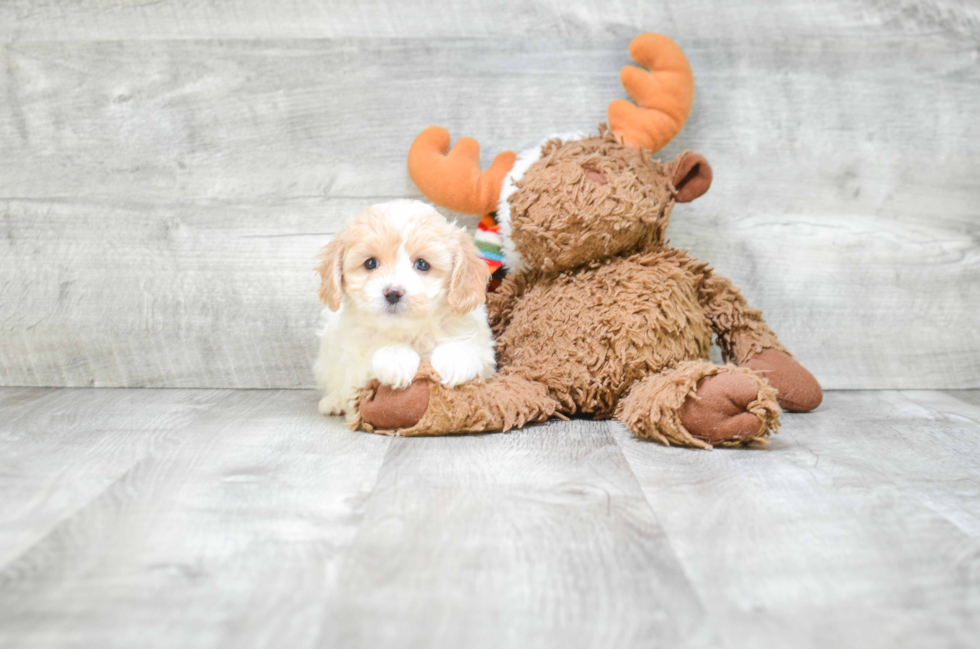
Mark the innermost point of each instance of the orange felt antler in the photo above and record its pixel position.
(664, 93)
(455, 180)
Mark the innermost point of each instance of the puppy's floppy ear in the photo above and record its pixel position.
(331, 266)
(468, 283)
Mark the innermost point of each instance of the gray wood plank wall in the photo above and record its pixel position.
(168, 170)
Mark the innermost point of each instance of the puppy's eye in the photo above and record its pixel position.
(422, 265)
(371, 263)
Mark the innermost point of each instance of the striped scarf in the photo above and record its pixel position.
(490, 244)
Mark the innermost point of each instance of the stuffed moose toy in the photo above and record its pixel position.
(597, 314)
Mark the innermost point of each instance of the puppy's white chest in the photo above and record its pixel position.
(425, 345)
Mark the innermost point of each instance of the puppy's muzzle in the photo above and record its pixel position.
(393, 294)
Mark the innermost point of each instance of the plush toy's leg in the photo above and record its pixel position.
(700, 404)
(745, 339)
(429, 408)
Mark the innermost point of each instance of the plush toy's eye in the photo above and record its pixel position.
(422, 265)
(371, 263)
(596, 176)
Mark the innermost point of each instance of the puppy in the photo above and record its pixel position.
(401, 285)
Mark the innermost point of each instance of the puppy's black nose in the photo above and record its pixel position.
(393, 294)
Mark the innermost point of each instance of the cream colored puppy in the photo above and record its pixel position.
(401, 285)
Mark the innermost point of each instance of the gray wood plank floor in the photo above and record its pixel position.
(217, 518)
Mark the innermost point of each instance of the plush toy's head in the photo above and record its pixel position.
(592, 198)
(574, 199)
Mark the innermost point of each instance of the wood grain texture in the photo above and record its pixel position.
(968, 396)
(229, 534)
(62, 448)
(857, 527)
(183, 518)
(197, 177)
(537, 538)
(162, 296)
(30, 20)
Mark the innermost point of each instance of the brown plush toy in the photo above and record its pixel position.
(598, 315)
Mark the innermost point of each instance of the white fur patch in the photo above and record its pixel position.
(512, 259)
(395, 365)
(403, 212)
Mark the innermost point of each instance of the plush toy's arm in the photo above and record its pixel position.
(745, 339)
(741, 331)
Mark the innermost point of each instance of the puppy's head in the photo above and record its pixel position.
(402, 260)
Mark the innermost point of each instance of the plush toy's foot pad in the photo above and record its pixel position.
(700, 404)
(385, 408)
(720, 409)
(797, 389)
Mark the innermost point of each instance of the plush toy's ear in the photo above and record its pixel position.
(331, 266)
(468, 283)
(692, 177)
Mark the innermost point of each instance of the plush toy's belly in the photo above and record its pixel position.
(589, 335)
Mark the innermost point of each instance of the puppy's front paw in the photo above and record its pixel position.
(395, 365)
(330, 406)
(455, 364)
